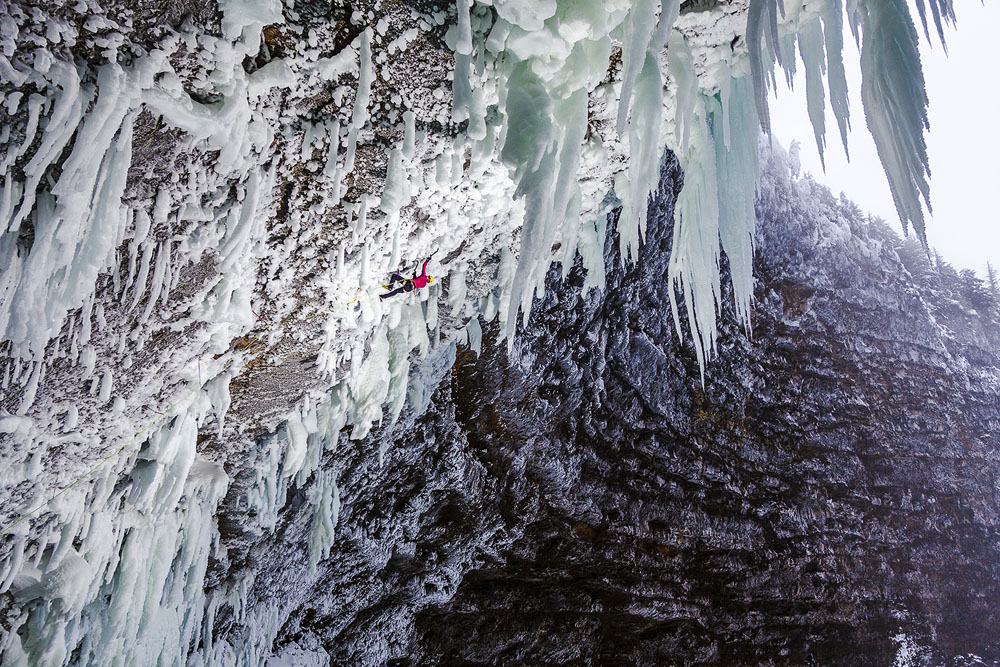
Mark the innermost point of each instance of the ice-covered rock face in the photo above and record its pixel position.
(200, 205)
(825, 498)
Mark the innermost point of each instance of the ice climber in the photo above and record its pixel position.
(407, 284)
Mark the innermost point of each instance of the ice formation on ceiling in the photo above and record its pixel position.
(558, 111)
(539, 65)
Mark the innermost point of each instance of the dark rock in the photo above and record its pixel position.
(585, 500)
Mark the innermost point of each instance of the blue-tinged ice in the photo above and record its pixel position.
(543, 150)
(943, 11)
(738, 176)
(638, 29)
(325, 497)
(762, 33)
(77, 219)
(833, 33)
(645, 147)
(694, 259)
(895, 103)
(812, 50)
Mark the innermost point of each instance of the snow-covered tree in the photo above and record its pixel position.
(947, 277)
(974, 291)
(914, 257)
(993, 282)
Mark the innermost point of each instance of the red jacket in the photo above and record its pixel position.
(421, 280)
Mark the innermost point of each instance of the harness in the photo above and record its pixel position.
(406, 284)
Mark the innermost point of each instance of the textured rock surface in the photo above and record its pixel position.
(193, 266)
(831, 488)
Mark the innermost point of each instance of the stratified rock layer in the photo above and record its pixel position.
(827, 497)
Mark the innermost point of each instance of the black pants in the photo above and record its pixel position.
(407, 286)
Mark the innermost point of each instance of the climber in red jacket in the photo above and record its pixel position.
(408, 284)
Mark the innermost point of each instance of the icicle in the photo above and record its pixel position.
(295, 453)
(370, 389)
(165, 292)
(694, 259)
(359, 114)
(140, 285)
(325, 497)
(409, 134)
(895, 102)
(943, 12)
(463, 44)
(394, 226)
(85, 323)
(738, 170)
(402, 338)
(312, 133)
(157, 284)
(545, 156)
(475, 334)
(392, 192)
(88, 359)
(107, 382)
(28, 397)
(340, 270)
(218, 393)
(762, 24)
(644, 157)
(362, 221)
(431, 312)
(365, 277)
(813, 57)
(457, 158)
(62, 124)
(833, 32)
(461, 89)
(638, 39)
(12, 567)
(686, 79)
(76, 223)
(333, 135)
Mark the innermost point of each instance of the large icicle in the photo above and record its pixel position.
(811, 47)
(762, 32)
(833, 33)
(717, 147)
(549, 183)
(645, 148)
(638, 40)
(738, 174)
(76, 222)
(694, 259)
(638, 31)
(895, 102)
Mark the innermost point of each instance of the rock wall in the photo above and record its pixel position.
(827, 497)
(201, 202)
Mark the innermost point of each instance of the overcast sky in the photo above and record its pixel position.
(963, 142)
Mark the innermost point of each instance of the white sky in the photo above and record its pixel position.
(963, 142)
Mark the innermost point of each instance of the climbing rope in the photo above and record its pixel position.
(163, 416)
